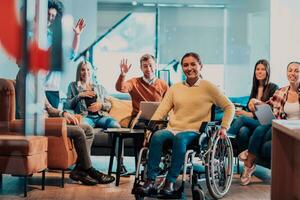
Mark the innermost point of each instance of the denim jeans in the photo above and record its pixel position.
(243, 128)
(179, 142)
(261, 135)
(97, 121)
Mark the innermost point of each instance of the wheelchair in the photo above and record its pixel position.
(209, 151)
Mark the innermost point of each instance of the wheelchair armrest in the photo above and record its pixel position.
(154, 125)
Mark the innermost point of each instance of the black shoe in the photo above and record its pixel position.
(147, 189)
(123, 171)
(99, 176)
(82, 176)
(168, 189)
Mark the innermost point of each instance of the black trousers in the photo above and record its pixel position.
(82, 136)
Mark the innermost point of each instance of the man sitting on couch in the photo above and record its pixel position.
(82, 136)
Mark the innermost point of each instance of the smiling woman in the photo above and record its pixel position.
(245, 122)
(90, 100)
(286, 105)
(183, 126)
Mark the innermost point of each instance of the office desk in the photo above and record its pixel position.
(285, 159)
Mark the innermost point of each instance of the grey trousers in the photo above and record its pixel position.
(82, 136)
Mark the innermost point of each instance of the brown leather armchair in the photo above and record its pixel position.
(61, 152)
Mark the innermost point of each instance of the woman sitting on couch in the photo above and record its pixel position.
(90, 100)
(286, 105)
(262, 89)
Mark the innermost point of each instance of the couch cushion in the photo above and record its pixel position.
(101, 139)
(120, 109)
(16, 145)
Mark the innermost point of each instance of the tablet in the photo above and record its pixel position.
(264, 114)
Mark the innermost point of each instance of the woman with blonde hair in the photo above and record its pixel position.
(89, 99)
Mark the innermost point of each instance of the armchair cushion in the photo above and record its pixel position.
(23, 155)
(18, 145)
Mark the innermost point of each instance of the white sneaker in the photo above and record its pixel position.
(243, 155)
(246, 176)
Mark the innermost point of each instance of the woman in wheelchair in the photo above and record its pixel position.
(286, 105)
(262, 89)
(191, 103)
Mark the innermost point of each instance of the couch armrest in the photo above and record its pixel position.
(55, 126)
(16, 126)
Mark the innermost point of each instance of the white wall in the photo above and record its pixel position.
(247, 41)
(88, 11)
(8, 68)
(284, 38)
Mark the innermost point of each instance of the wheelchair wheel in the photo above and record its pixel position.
(219, 167)
(198, 194)
(138, 197)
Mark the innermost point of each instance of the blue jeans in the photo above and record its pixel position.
(179, 142)
(97, 121)
(261, 135)
(243, 128)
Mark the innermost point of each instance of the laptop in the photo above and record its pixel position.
(264, 114)
(147, 109)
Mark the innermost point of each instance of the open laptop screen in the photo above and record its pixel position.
(147, 109)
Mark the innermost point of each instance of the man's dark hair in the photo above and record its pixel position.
(58, 5)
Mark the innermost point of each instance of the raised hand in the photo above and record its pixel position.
(80, 25)
(124, 66)
(87, 93)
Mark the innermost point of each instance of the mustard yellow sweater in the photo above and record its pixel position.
(192, 105)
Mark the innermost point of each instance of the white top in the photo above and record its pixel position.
(292, 110)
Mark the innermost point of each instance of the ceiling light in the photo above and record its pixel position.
(134, 3)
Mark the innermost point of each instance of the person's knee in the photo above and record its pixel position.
(78, 133)
(113, 124)
(259, 132)
(88, 130)
(239, 121)
(244, 134)
(180, 142)
(157, 137)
